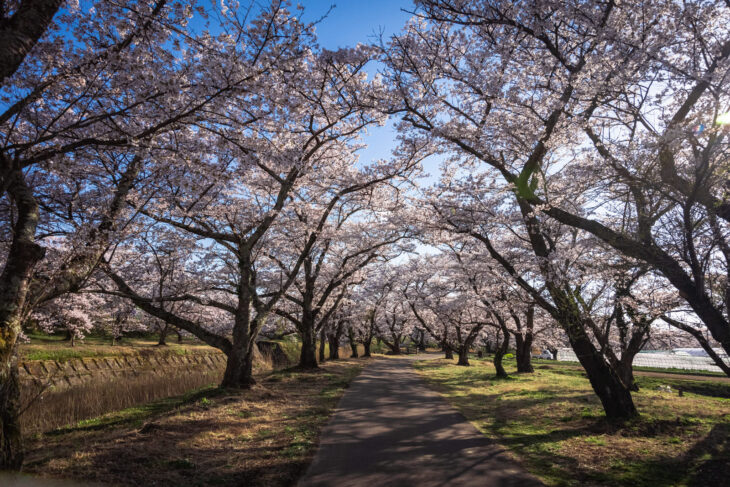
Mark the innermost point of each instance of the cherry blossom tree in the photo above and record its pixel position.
(123, 318)
(91, 109)
(360, 233)
(512, 310)
(490, 82)
(624, 112)
(394, 324)
(298, 148)
(70, 83)
(445, 305)
(72, 313)
(387, 314)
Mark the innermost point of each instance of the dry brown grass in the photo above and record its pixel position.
(45, 408)
(265, 436)
(48, 409)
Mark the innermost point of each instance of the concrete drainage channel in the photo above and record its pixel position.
(66, 374)
(61, 393)
(74, 372)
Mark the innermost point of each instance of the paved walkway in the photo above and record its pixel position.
(391, 430)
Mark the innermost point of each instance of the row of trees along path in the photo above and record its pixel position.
(199, 164)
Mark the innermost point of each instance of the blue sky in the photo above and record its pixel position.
(348, 23)
(351, 22)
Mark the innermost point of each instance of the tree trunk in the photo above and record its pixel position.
(499, 354)
(162, 342)
(353, 343)
(179, 336)
(334, 340)
(308, 355)
(446, 348)
(608, 386)
(625, 371)
(11, 447)
(21, 258)
(366, 345)
(463, 356)
(448, 352)
(334, 347)
(239, 369)
(501, 373)
(523, 352)
(322, 341)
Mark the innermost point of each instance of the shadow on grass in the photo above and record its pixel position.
(505, 378)
(660, 448)
(715, 448)
(706, 463)
(706, 388)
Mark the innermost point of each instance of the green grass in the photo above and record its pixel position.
(554, 423)
(63, 354)
(292, 349)
(707, 373)
(55, 347)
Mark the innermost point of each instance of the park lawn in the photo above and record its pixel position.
(553, 423)
(265, 436)
(55, 347)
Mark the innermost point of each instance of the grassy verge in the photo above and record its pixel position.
(553, 422)
(707, 373)
(265, 436)
(293, 350)
(54, 347)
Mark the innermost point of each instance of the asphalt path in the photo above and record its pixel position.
(390, 429)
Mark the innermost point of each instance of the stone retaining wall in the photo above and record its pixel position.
(78, 371)
(46, 373)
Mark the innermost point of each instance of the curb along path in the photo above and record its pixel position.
(391, 429)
